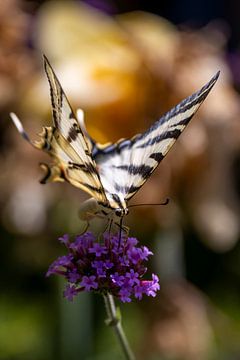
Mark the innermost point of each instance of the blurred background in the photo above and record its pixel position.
(124, 63)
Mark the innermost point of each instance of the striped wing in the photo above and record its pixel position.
(66, 143)
(125, 166)
(71, 146)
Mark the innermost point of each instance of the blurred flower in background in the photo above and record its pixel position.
(124, 71)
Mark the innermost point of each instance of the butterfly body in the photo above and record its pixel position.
(111, 174)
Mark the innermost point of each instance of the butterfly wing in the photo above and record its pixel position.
(125, 166)
(66, 143)
(71, 147)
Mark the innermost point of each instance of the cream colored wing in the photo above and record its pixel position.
(66, 143)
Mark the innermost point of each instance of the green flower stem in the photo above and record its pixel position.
(114, 320)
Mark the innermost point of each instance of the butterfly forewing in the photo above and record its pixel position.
(124, 167)
(69, 144)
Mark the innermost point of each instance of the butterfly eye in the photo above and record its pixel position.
(119, 212)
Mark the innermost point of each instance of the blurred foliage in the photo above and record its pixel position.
(124, 70)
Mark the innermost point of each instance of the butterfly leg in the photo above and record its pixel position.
(85, 229)
(125, 229)
(110, 225)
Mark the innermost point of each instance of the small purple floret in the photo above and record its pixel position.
(70, 292)
(125, 294)
(106, 266)
(73, 276)
(145, 253)
(117, 279)
(132, 277)
(98, 249)
(65, 260)
(99, 265)
(64, 239)
(88, 282)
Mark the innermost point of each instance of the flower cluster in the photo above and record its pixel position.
(106, 266)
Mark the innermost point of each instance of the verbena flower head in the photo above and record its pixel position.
(105, 266)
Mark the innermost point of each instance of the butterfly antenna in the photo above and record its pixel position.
(164, 203)
(19, 127)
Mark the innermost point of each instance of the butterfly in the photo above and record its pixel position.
(113, 173)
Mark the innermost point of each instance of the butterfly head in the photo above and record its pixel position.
(120, 212)
(118, 205)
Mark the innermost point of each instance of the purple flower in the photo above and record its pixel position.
(88, 282)
(134, 255)
(73, 276)
(70, 292)
(98, 249)
(154, 286)
(105, 266)
(124, 260)
(65, 260)
(53, 269)
(138, 292)
(57, 267)
(132, 242)
(82, 243)
(117, 279)
(151, 287)
(132, 277)
(99, 265)
(108, 264)
(64, 239)
(145, 253)
(124, 294)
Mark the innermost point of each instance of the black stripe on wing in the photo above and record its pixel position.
(93, 189)
(183, 107)
(130, 190)
(179, 110)
(128, 163)
(85, 167)
(60, 103)
(110, 148)
(172, 134)
(74, 148)
(142, 170)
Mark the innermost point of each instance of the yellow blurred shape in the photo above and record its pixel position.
(99, 68)
(155, 37)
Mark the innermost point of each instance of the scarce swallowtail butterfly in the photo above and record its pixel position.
(110, 173)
